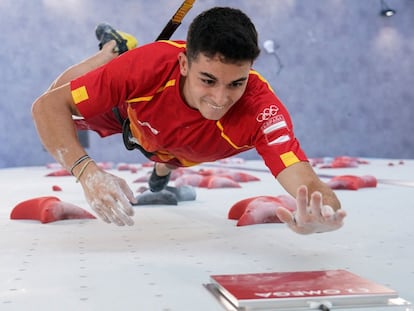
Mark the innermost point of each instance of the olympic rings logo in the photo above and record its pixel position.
(267, 113)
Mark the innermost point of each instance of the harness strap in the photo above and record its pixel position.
(127, 135)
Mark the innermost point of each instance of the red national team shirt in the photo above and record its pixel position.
(144, 84)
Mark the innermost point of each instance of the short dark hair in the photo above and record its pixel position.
(224, 31)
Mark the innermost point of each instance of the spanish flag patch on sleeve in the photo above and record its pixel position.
(80, 94)
(289, 158)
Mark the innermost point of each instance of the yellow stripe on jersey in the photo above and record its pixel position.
(79, 94)
(261, 78)
(220, 126)
(289, 158)
(148, 98)
(139, 99)
(166, 156)
(176, 44)
(168, 84)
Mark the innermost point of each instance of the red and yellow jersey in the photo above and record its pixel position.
(144, 84)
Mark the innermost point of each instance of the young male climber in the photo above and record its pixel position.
(181, 103)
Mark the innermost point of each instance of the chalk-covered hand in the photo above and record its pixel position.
(311, 217)
(109, 196)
